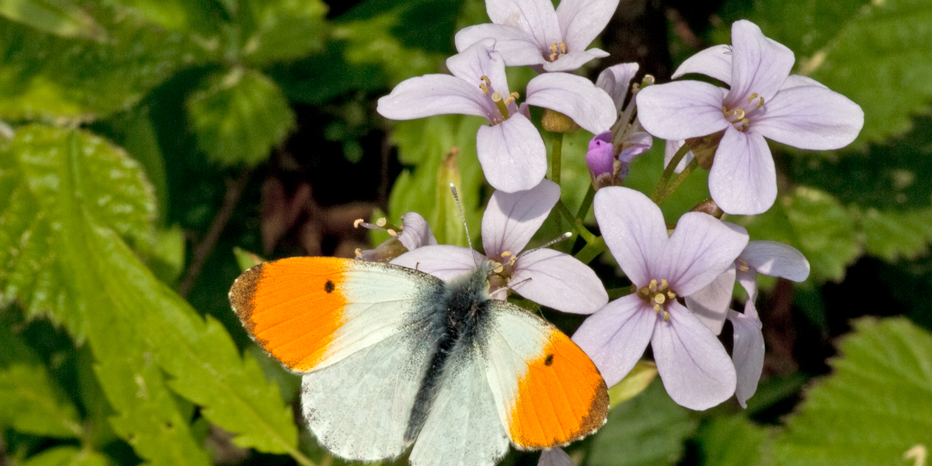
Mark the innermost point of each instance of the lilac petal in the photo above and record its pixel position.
(442, 261)
(760, 65)
(634, 230)
(512, 43)
(743, 179)
(795, 80)
(700, 249)
(681, 110)
(415, 232)
(573, 60)
(536, 18)
(747, 354)
(478, 60)
(714, 62)
(512, 154)
(581, 21)
(748, 281)
(810, 117)
(554, 279)
(574, 96)
(696, 371)
(635, 144)
(433, 94)
(777, 260)
(615, 337)
(710, 304)
(554, 457)
(511, 219)
(670, 149)
(616, 80)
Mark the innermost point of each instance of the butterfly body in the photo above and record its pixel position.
(394, 359)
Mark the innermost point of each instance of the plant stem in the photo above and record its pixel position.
(555, 156)
(676, 182)
(586, 204)
(577, 224)
(668, 172)
(591, 250)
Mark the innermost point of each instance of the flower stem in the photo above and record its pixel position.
(668, 172)
(676, 182)
(586, 204)
(591, 250)
(577, 224)
(555, 156)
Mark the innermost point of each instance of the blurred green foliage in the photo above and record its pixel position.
(125, 125)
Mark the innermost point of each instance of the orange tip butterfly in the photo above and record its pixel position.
(393, 359)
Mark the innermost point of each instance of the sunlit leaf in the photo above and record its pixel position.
(68, 456)
(281, 29)
(732, 441)
(34, 404)
(60, 17)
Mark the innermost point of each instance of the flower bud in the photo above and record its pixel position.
(557, 122)
(600, 158)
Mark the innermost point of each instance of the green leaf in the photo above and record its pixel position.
(427, 144)
(73, 80)
(894, 234)
(649, 429)
(197, 19)
(874, 52)
(813, 222)
(58, 17)
(633, 384)
(876, 406)
(33, 404)
(139, 329)
(239, 116)
(732, 441)
(68, 456)
(280, 30)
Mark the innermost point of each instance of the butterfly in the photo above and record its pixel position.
(392, 358)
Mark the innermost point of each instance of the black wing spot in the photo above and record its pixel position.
(329, 286)
(549, 360)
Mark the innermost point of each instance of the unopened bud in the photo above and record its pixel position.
(557, 122)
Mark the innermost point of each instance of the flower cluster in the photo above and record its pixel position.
(682, 276)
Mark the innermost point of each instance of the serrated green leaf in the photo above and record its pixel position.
(195, 18)
(68, 456)
(876, 406)
(59, 17)
(73, 80)
(648, 429)
(33, 404)
(893, 234)
(280, 30)
(732, 441)
(141, 330)
(427, 144)
(239, 116)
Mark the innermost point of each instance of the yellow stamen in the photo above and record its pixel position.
(381, 222)
(752, 97)
(484, 85)
(761, 103)
(666, 316)
(563, 48)
(511, 98)
(391, 232)
(357, 222)
(358, 253)
(502, 106)
(743, 265)
(660, 299)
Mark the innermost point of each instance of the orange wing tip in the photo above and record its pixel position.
(292, 307)
(562, 398)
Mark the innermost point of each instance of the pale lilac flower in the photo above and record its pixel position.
(763, 101)
(695, 369)
(414, 233)
(510, 149)
(531, 32)
(711, 305)
(555, 457)
(545, 276)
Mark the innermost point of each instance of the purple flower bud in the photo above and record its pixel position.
(601, 158)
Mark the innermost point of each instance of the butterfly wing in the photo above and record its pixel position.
(547, 390)
(353, 328)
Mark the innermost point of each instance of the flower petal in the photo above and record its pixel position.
(536, 18)
(696, 371)
(681, 110)
(478, 60)
(777, 260)
(747, 354)
(810, 117)
(615, 337)
(442, 261)
(573, 60)
(748, 281)
(555, 457)
(710, 304)
(635, 144)
(760, 65)
(554, 279)
(714, 62)
(512, 154)
(511, 219)
(743, 179)
(616, 80)
(574, 96)
(795, 80)
(433, 94)
(700, 249)
(581, 21)
(515, 47)
(415, 232)
(634, 230)
(670, 149)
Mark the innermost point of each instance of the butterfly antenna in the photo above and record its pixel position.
(459, 205)
(563, 237)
